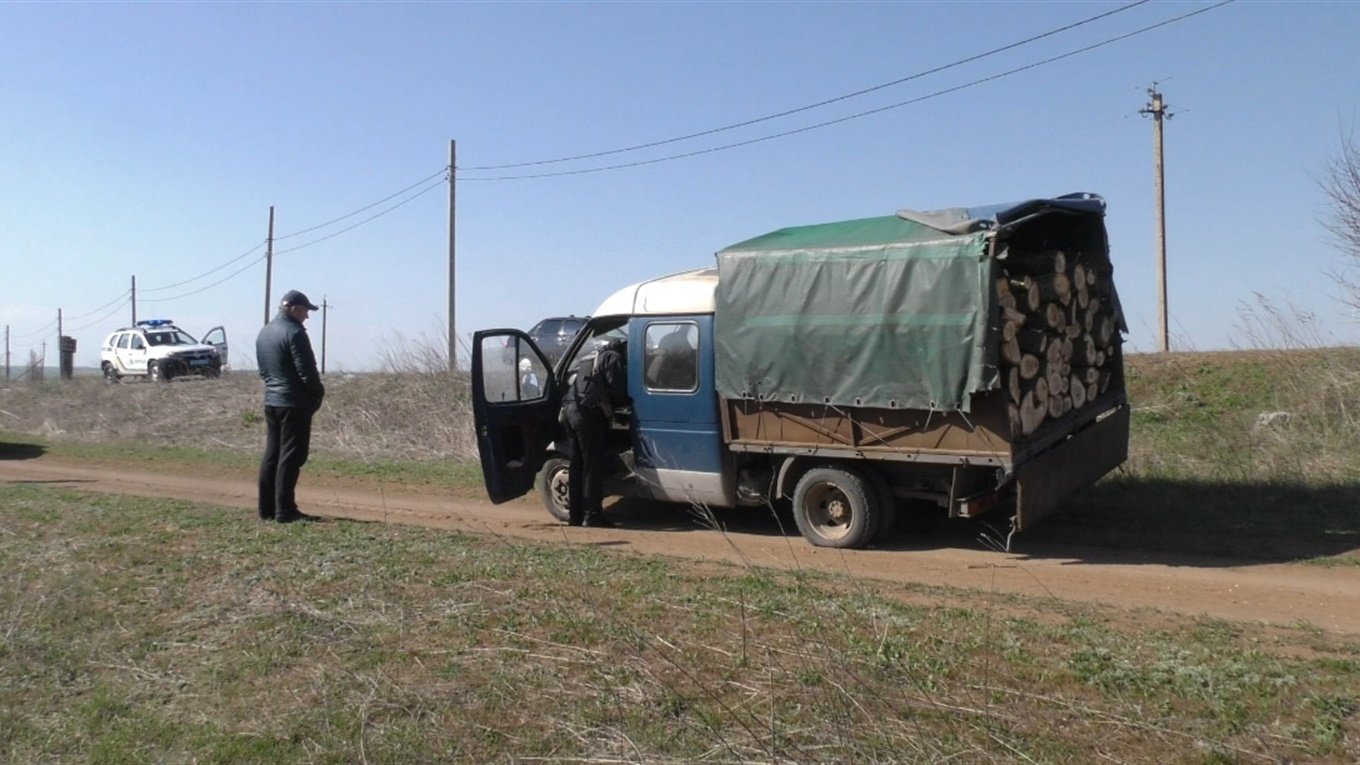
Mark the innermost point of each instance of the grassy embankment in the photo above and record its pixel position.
(135, 630)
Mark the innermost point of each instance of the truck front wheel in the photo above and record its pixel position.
(553, 487)
(836, 507)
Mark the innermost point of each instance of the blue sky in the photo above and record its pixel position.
(151, 140)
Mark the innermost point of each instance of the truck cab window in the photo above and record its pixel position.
(671, 356)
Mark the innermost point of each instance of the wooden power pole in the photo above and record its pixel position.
(453, 327)
(268, 265)
(1158, 111)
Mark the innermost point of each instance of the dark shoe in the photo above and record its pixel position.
(296, 517)
(598, 522)
(264, 517)
(574, 521)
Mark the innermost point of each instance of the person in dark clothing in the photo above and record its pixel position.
(601, 385)
(292, 394)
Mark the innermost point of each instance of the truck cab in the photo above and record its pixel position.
(667, 445)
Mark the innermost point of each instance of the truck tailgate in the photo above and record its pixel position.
(1043, 483)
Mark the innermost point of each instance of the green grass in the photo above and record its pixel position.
(460, 476)
(1247, 417)
(136, 630)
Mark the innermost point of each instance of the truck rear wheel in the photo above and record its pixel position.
(886, 512)
(554, 488)
(836, 507)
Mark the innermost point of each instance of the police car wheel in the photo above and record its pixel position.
(553, 487)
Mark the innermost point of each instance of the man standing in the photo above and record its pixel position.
(292, 394)
(601, 385)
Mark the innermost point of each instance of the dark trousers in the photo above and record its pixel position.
(287, 441)
(588, 431)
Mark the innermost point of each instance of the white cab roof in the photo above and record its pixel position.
(684, 293)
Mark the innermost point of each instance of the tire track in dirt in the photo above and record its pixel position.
(1269, 593)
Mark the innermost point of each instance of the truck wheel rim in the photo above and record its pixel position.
(829, 510)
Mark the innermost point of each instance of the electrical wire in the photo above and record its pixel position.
(122, 296)
(206, 273)
(226, 278)
(46, 329)
(859, 115)
(126, 299)
(819, 104)
(443, 172)
(369, 219)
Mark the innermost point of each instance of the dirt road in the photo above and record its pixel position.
(1278, 594)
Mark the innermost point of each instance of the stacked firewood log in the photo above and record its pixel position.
(1059, 334)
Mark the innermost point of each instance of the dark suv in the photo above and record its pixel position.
(553, 335)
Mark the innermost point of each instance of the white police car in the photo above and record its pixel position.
(158, 350)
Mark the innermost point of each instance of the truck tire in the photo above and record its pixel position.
(886, 517)
(111, 374)
(155, 373)
(553, 487)
(836, 507)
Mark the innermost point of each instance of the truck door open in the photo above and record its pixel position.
(515, 402)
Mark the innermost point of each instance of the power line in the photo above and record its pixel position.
(46, 329)
(204, 274)
(122, 297)
(827, 102)
(371, 218)
(443, 172)
(205, 288)
(126, 299)
(871, 112)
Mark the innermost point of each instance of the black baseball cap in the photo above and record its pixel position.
(293, 297)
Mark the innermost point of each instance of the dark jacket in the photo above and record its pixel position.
(601, 383)
(288, 365)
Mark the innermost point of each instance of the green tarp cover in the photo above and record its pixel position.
(879, 312)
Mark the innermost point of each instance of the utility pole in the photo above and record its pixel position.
(453, 328)
(268, 264)
(134, 300)
(6, 353)
(1158, 111)
(324, 307)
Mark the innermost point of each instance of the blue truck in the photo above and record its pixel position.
(953, 361)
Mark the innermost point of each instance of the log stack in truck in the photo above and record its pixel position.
(962, 360)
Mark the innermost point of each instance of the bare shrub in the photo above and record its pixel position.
(1341, 186)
